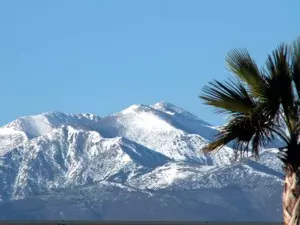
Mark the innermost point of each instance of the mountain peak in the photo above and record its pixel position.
(165, 104)
(169, 107)
(52, 113)
(134, 108)
(40, 124)
(172, 109)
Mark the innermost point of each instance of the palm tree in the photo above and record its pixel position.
(262, 104)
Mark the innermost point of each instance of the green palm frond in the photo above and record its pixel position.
(245, 132)
(277, 62)
(281, 82)
(270, 101)
(228, 97)
(251, 123)
(245, 68)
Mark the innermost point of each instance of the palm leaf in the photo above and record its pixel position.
(281, 83)
(245, 68)
(245, 132)
(228, 97)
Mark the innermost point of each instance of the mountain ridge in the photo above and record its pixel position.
(153, 152)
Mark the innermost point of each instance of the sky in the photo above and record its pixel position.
(103, 56)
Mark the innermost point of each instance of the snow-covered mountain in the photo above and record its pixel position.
(143, 163)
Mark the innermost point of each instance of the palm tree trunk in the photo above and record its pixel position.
(291, 199)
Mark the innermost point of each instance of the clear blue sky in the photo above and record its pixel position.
(102, 56)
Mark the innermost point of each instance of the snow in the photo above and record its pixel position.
(169, 134)
(10, 138)
(39, 125)
(74, 166)
(130, 109)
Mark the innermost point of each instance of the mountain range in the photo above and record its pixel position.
(142, 163)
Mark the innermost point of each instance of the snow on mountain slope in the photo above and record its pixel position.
(38, 125)
(163, 127)
(167, 175)
(166, 129)
(10, 138)
(250, 186)
(70, 166)
(247, 173)
(69, 157)
(269, 159)
(186, 121)
(25, 128)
